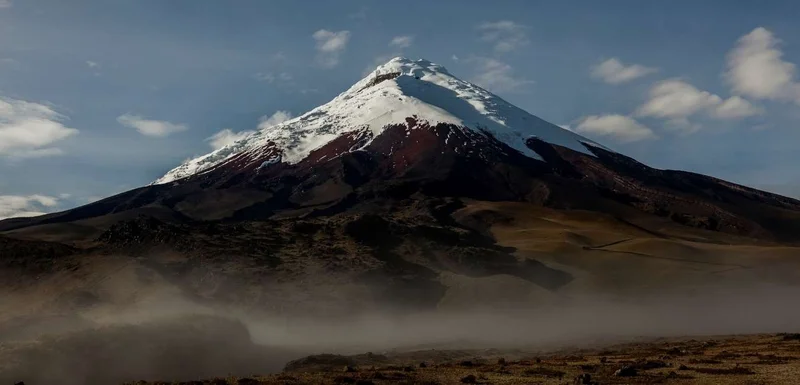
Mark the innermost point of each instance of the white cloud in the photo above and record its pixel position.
(736, 107)
(28, 129)
(454, 57)
(496, 76)
(277, 118)
(756, 68)
(12, 206)
(92, 64)
(505, 34)
(623, 128)
(612, 71)
(677, 100)
(5, 4)
(328, 41)
(330, 45)
(401, 41)
(226, 137)
(148, 127)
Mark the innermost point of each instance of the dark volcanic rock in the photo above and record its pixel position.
(143, 230)
(34, 257)
(319, 363)
(626, 371)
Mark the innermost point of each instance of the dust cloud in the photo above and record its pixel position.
(172, 338)
(583, 321)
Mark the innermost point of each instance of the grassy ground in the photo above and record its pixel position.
(751, 360)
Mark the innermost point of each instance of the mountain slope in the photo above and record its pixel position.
(406, 193)
(394, 92)
(411, 127)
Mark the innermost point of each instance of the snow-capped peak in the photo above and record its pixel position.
(399, 89)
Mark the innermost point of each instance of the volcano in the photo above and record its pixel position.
(401, 95)
(413, 188)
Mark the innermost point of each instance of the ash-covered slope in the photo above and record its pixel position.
(395, 91)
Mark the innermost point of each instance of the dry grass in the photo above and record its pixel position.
(736, 361)
(608, 255)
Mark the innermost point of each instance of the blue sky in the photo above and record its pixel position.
(97, 97)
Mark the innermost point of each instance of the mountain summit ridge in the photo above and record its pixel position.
(394, 92)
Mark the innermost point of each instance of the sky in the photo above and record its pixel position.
(98, 97)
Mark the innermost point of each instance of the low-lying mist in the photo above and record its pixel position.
(167, 337)
(580, 321)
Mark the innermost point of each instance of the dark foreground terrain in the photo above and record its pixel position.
(753, 359)
(183, 347)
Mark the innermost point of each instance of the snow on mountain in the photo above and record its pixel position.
(396, 90)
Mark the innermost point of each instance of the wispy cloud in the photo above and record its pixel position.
(620, 127)
(276, 65)
(9, 62)
(330, 46)
(278, 117)
(612, 71)
(506, 35)
(278, 58)
(270, 77)
(378, 61)
(358, 15)
(149, 127)
(28, 129)
(401, 42)
(37, 153)
(756, 68)
(6, 4)
(226, 137)
(12, 206)
(92, 64)
(496, 76)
